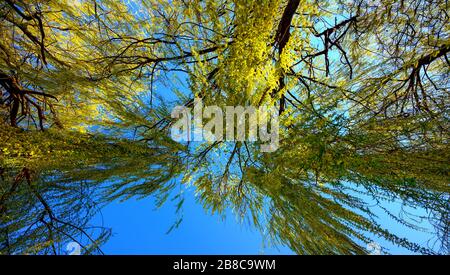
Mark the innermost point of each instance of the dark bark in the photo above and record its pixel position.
(281, 39)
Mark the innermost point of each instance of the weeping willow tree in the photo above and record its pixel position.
(86, 89)
(50, 193)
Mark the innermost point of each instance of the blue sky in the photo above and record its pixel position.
(139, 228)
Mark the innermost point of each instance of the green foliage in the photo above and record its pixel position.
(86, 90)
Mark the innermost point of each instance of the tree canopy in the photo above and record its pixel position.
(361, 87)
